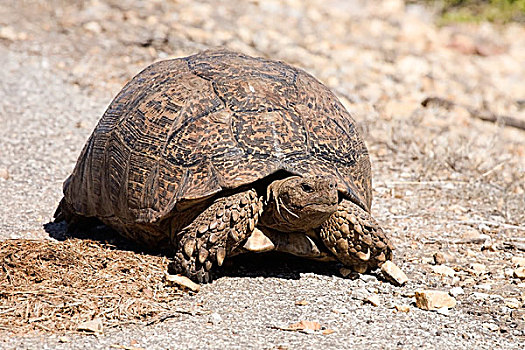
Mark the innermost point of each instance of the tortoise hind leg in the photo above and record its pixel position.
(64, 212)
(76, 224)
(208, 240)
(355, 238)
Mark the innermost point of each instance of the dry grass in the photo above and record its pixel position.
(53, 286)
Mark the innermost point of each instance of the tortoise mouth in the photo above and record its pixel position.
(320, 205)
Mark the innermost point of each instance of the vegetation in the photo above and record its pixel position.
(498, 11)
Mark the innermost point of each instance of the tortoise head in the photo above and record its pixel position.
(300, 203)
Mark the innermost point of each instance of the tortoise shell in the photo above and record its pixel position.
(187, 129)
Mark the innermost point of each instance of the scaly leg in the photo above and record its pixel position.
(209, 239)
(355, 238)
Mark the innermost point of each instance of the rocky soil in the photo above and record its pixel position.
(449, 187)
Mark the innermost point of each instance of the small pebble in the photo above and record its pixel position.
(480, 296)
(441, 258)
(368, 278)
(4, 174)
(393, 273)
(373, 299)
(8, 33)
(468, 281)
(489, 245)
(490, 326)
(516, 260)
(434, 299)
(359, 294)
(427, 260)
(474, 237)
(64, 339)
(478, 269)
(93, 27)
(519, 273)
(513, 303)
(456, 291)
(340, 311)
(402, 308)
(182, 281)
(93, 326)
(443, 311)
(215, 318)
(485, 286)
(471, 254)
(444, 270)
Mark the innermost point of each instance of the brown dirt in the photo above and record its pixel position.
(54, 286)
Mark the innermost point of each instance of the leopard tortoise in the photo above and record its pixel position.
(221, 153)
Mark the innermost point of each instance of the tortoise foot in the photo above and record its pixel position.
(355, 238)
(202, 246)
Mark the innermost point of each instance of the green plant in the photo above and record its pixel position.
(498, 11)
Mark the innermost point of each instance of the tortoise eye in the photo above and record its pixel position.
(307, 188)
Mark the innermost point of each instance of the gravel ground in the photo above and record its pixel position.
(445, 182)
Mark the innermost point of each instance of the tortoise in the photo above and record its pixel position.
(220, 153)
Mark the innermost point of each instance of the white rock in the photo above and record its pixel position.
(519, 273)
(513, 303)
(359, 294)
(373, 299)
(64, 339)
(491, 326)
(368, 278)
(516, 260)
(484, 286)
(8, 33)
(182, 281)
(393, 273)
(94, 326)
(402, 308)
(496, 297)
(444, 270)
(443, 311)
(4, 174)
(434, 299)
(471, 253)
(215, 318)
(441, 258)
(93, 26)
(474, 237)
(478, 269)
(456, 291)
(480, 296)
(341, 310)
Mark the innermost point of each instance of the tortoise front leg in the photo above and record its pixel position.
(209, 239)
(355, 238)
